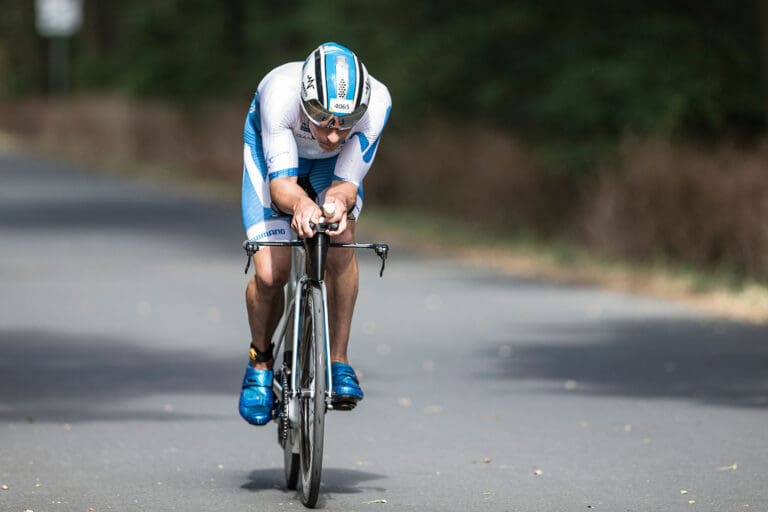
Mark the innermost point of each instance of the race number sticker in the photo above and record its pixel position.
(340, 106)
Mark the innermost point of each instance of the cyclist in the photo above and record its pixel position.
(310, 137)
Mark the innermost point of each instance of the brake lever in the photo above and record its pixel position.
(381, 251)
(249, 250)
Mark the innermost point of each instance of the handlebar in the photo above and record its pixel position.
(380, 248)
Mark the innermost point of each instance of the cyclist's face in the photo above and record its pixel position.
(328, 135)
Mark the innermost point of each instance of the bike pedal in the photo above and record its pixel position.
(344, 403)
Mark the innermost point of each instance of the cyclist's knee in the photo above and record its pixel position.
(270, 279)
(339, 259)
(272, 271)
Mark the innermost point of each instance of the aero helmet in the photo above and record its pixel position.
(334, 83)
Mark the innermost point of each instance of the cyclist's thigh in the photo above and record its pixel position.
(348, 236)
(273, 264)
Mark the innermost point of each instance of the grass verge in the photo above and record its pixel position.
(718, 293)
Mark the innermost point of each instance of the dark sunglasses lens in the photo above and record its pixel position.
(316, 111)
(351, 120)
(320, 115)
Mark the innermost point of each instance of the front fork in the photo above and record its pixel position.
(291, 357)
(327, 344)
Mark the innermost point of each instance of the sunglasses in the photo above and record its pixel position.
(319, 115)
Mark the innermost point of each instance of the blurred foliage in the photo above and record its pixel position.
(571, 78)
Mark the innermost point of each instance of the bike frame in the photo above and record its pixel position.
(305, 287)
(312, 274)
(294, 290)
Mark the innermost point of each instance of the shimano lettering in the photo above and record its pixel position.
(271, 232)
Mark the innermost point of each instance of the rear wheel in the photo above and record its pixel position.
(312, 389)
(291, 463)
(288, 437)
(287, 433)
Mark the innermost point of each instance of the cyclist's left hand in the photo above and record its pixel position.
(337, 213)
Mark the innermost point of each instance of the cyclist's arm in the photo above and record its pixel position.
(290, 198)
(344, 196)
(278, 113)
(357, 155)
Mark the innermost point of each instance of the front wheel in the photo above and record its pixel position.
(312, 387)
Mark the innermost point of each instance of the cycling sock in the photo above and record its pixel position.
(260, 357)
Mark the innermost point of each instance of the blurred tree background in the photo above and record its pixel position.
(571, 76)
(576, 84)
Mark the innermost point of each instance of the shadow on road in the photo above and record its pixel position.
(334, 481)
(47, 376)
(713, 362)
(125, 214)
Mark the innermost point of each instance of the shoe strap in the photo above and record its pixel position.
(257, 378)
(260, 400)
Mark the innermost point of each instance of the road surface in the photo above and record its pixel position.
(123, 340)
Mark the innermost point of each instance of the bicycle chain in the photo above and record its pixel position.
(285, 423)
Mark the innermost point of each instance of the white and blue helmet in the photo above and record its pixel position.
(334, 82)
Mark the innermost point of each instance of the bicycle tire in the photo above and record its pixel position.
(312, 378)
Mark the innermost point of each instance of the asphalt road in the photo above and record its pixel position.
(123, 340)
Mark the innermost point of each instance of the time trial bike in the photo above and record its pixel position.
(303, 383)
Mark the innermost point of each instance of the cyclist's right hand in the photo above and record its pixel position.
(305, 211)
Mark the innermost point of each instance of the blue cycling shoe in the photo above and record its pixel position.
(346, 388)
(256, 400)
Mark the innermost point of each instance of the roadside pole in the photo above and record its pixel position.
(58, 20)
